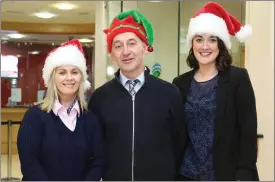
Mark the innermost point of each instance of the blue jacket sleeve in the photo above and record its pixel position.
(29, 141)
(96, 160)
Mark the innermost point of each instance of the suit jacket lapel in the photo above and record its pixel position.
(184, 85)
(221, 100)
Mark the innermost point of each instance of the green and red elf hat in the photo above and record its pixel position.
(131, 21)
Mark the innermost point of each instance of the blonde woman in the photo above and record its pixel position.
(59, 139)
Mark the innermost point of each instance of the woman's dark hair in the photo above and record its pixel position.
(223, 60)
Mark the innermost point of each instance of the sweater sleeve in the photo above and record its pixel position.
(29, 144)
(96, 160)
(178, 128)
(94, 102)
(247, 122)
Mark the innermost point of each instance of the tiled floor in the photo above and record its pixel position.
(15, 167)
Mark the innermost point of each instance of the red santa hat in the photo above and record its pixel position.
(213, 19)
(69, 53)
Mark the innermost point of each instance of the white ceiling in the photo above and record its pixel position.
(21, 11)
(43, 38)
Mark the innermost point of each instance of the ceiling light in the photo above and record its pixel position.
(64, 6)
(44, 15)
(16, 36)
(34, 52)
(85, 40)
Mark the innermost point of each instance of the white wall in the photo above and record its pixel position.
(130, 5)
(99, 67)
(105, 12)
(260, 64)
(164, 17)
(113, 9)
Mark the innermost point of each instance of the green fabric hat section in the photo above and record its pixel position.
(140, 19)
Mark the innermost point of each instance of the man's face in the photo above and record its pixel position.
(129, 50)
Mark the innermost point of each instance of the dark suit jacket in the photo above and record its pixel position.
(235, 140)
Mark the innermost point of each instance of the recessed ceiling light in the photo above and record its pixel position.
(34, 52)
(85, 40)
(44, 15)
(16, 36)
(64, 6)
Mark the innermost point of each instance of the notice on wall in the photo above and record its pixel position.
(16, 94)
(40, 95)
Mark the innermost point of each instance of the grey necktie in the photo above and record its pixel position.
(132, 84)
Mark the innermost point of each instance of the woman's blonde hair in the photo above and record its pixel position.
(47, 103)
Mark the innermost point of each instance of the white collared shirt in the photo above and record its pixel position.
(123, 79)
(68, 120)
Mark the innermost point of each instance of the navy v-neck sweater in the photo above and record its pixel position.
(73, 146)
(49, 151)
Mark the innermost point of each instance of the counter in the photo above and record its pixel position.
(14, 114)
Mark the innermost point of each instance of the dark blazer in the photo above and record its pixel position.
(40, 148)
(235, 134)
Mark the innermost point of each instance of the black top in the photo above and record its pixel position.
(235, 126)
(143, 136)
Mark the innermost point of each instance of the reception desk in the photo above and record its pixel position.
(16, 115)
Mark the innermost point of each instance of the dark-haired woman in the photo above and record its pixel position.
(219, 102)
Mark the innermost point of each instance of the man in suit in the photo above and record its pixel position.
(141, 114)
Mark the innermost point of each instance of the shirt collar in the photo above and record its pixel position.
(58, 106)
(124, 79)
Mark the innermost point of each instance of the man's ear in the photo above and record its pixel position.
(111, 57)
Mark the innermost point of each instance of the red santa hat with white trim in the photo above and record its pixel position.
(69, 53)
(212, 18)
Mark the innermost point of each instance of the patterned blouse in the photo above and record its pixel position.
(200, 115)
